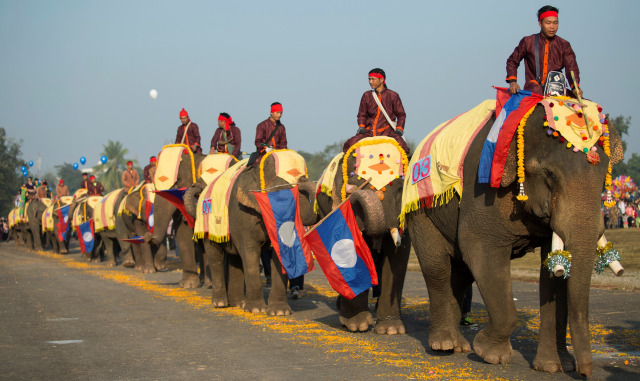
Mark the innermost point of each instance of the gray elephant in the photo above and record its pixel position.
(111, 229)
(83, 212)
(33, 230)
(248, 236)
(376, 208)
(476, 233)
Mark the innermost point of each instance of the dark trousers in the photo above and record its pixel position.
(297, 282)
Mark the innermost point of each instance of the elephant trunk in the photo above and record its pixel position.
(307, 198)
(163, 212)
(369, 213)
(191, 196)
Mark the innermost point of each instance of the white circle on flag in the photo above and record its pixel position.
(151, 220)
(344, 254)
(66, 219)
(87, 237)
(287, 233)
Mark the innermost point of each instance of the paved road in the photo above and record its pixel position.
(62, 318)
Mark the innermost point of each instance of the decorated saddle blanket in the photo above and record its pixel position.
(65, 200)
(290, 166)
(25, 216)
(564, 118)
(82, 212)
(328, 177)
(79, 193)
(212, 211)
(104, 217)
(436, 168)
(14, 217)
(168, 164)
(47, 219)
(213, 165)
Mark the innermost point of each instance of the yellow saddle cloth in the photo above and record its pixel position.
(327, 179)
(14, 217)
(168, 164)
(212, 212)
(104, 217)
(81, 213)
(435, 170)
(47, 219)
(213, 165)
(79, 193)
(290, 166)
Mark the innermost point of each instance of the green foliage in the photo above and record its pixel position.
(317, 162)
(72, 178)
(10, 176)
(110, 174)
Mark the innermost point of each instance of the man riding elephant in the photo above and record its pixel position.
(130, 176)
(188, 133)
(227, 138)
(270, 134)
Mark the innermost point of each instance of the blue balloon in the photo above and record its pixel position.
(103, 159)
(24, 174)
(83, 160)
(75, 166)
(23, 169)
(30, 163)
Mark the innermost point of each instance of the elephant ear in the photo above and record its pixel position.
(617, 151)
(510, 172)
(245, 196)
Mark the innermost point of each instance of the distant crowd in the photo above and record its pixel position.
(623, 215)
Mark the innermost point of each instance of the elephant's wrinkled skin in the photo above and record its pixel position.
(33, 229)
(376, 218)
(489, 227)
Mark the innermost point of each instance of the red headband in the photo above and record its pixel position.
(276, 108)
(377, 75)
(129, 162)
(548, 14)
(227, 121)
(153, 159)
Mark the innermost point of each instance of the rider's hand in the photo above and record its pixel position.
(268, 149)
(362, 130)
(399, 132)
(513, 87)
(578, 92)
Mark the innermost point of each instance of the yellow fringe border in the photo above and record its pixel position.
(214, 238)
(264, 159)
(428, 202)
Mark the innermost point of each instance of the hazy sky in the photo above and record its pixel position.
(74, 74)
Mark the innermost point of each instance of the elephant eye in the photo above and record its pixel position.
(551, 177)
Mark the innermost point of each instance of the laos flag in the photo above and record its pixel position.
(149, 213)
(281, 217)
(176, 197)
(342, 253)
(63, 222)
(85, 236)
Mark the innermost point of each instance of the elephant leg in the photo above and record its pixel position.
(215, 258)
(235, 280)
(160, 259)
(354, 313)
(552, 354)
(184, 238)
(109, 251)
(146, 258)
(203, 266)
(98, 248)
(434, 253)
(136, 249)
(491, 269)
(127, 255)
(394, 268)
(250, 254)
(278, 305)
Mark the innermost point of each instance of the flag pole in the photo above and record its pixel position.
(582, 105)
(337, 207)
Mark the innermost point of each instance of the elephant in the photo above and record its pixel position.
(111, 238)
(149, 257)
(62, 246)
(476, 234)
(376, 212)
(248, 237)
(35, 211)
(82, 213)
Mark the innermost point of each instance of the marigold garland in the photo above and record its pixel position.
(520, 140)
(187, 149)
(607, 182)
(345, 159)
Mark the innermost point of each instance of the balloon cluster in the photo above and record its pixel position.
(83, 161)
(25, 170)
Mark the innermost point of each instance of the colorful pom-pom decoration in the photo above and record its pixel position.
(556, 118)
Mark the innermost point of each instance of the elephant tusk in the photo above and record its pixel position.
(397, 239)
(557, 244)
(615, 266)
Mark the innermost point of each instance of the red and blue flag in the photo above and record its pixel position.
(86, 236)
(149, 212)
(136, 239)
(342, 253)
(510, 109)
(281, 217)
(176, 197)
(63, 222)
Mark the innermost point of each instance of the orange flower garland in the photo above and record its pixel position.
(607, 182)
(522, 196)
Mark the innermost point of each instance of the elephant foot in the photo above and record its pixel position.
(255, 307)
(279, 309)
(448, 340)
(85, 257)
(138, 267)
(554, 362)
(148, 269)
(219, 303)
(585, 369)
(110, 263)
(189, 281)
(389, 326)
(359, 322)
(236, 303)
(161, 266)
(490, 351)
(128, 263)
(207, 282)
(94, 260)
